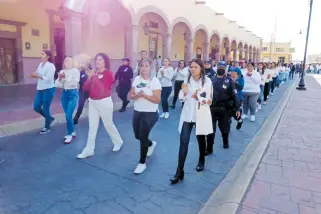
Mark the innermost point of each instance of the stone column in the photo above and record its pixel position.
(227, 53)
(133, 32)
(167, 46)
(73, 40)
(190, 52)
(253, 57)
(258, 56)
(206, 47)
(218, 53)
(250, 56)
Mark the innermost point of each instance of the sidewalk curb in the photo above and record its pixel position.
(36, 123)
(229, 194)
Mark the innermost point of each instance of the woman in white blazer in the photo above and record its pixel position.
(196, 94)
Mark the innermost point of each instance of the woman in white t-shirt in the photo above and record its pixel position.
(197, 95)
(274, 77)
(146, 93)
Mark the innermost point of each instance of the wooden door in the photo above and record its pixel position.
(8, 63)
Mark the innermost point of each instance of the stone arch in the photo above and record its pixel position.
(203, 28)
(215, 45)
(181, 20)
(225, 48)
(151, 9)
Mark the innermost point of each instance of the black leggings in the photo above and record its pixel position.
(177, 88)
(273, 84)
(143, 122)
(184, 142)
(266, 90)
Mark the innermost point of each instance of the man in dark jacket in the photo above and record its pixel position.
(124, 76)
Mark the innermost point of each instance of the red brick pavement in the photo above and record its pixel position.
(288, 180)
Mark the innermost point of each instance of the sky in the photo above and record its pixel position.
(290, 17)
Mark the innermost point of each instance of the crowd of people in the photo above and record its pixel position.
(210, 93)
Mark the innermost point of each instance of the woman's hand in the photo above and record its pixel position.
(238, 114)
(33, 75)
(203, 101)
(195, 95)
(185, 89)
(89, 73)
(61, 75)
(249, 74)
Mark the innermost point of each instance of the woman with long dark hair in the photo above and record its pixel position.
(99, 85)
(146, 93)
(267, 82)
(45, 74)
(196, 94)
(180, 74)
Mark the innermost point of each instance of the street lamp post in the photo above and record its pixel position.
(301, 85)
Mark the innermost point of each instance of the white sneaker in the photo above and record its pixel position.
(162, 115)
(166, 115)
(271, 94)
(68, 139)
(264, 103)
(244, 116)
(151, 149)
(140, 168)
(73, 135)
(84, 155)
(117, 147)
(259, 107)
(252, 118)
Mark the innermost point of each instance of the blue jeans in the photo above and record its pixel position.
(69, 99)
(166, 91)
(42, 104)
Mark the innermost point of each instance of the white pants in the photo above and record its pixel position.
(101, 109)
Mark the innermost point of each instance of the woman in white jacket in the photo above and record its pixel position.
(165, 76)
(68, 80)
(196, 94)
(251, 91)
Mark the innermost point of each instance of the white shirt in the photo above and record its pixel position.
(147, 86)
(274, 72)
(267, 75)
(252, 83)
(166, 79)
(181, 74)
(71, 80)
(189, 110)
(47, 73)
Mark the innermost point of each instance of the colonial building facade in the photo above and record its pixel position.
(180, 29)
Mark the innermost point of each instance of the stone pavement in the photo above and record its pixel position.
(288, 180)
(42, 175)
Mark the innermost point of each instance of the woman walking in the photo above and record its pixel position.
(45, 89)
(274, 77)
(68, 80)
(146, 93)
(99, 84)
(83, 62)
(181, 73)
(197, 96)
(260, 70)
(251, 91)
(165, 75)
(267, 82)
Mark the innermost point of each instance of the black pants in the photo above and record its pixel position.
(166, 91)
(143, 122)
(266, 90)
(177, 88)
(184, 142)
(273, 84)
(83, 97)
(223, 117)
(123, 90)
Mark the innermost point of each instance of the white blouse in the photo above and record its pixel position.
(181, 74)
(71, 79)
(194, 111)
(47, 73)
(166, 79)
